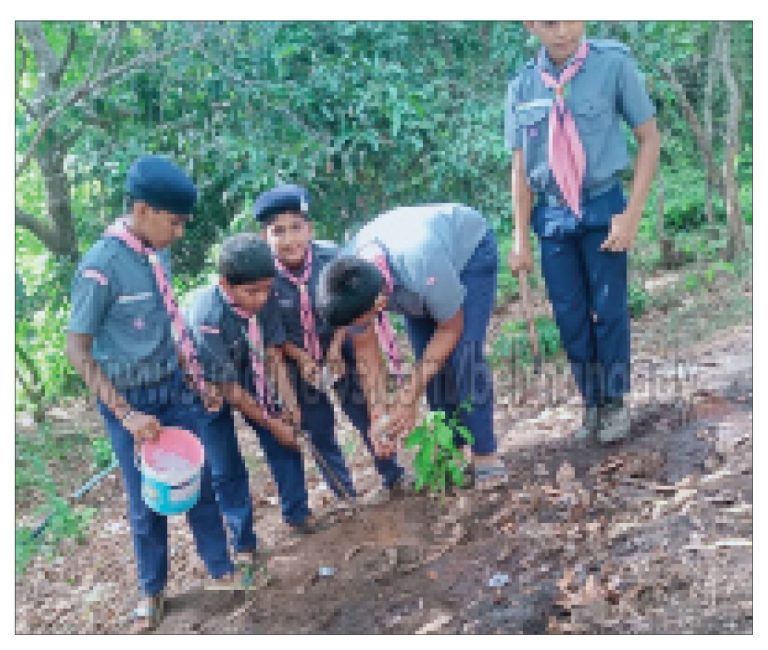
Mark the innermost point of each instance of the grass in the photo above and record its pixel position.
(38, 454)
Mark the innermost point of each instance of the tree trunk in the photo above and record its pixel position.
(712, 68)
(666, 252)
(736, 242)
(699, 134)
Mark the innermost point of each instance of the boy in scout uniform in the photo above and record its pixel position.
(436, 265)
(283, 213)
(563, 124)
(121, 340)
(237, 327)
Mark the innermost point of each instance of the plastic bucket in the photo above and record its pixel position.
(170, 471)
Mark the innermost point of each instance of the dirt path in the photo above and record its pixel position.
(653, 535)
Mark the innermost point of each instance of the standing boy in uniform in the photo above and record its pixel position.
(283, 213)
(563, 125)
(121, 340)
(436, 265)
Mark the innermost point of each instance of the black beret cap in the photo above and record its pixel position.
(161, 184)
(283, 198)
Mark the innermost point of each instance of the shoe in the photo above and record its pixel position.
(489, 476)
(250, 574)
(614, 422)
(147, 614)
(590, 425)
(402, 487)
(309, 526)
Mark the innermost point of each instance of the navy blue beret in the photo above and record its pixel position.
(283, 198)
(161, 184)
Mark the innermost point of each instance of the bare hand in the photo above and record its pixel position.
(291, 415)
(142, 426)
(403, 417)
(311, 373)
(213, 398)
(522, 261)
(384, 443)
(622, 234)
(284, 433)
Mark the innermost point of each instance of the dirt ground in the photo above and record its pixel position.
(651, 535)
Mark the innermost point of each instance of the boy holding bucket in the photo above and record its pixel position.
(284, 215)
(121, 339)
(563, 124)
(237, 329)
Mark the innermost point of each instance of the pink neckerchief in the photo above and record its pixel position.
(567, 159)
(119, 230)
(384, 330)
(256, 347)
(311, 340)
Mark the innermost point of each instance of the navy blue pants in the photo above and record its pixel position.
(465, 378)
(588, 291)
(173, 404)
(230, 477)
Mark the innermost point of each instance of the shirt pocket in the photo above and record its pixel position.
(592, 114)
(533, 124)
(138, 313)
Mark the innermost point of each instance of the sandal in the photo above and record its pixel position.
(309, 526)
(489, 477)
(250, 574)
(147, 614)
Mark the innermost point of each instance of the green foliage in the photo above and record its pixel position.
(438, 463)
(692, 282)
(513, 343)
(101, 453)
(37, 454)
(638, 299)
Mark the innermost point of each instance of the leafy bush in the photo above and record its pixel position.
(438, 462)
(513, 343)
(638, 299)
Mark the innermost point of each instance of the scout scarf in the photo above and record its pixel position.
(384, 330)
(567, 159)
(256, 347)
(181, 338)
(311, 340)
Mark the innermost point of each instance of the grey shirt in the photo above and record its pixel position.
(427, 248)
(116, 300)
(221, 336)
(606, 90)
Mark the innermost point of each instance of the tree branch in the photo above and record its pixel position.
(43, 231)
(61, 68)
(45, 57)
(88, 87)
(695, 124)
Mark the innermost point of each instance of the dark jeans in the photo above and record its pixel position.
(588, 291)
(465, 377)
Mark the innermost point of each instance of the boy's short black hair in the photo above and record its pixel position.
(245, 258)
(347, 288)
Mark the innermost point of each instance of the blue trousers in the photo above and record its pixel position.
(465, 378)
(230, 477)
(173, 404)
(588, 291)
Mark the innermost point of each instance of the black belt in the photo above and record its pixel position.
(556, 201)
